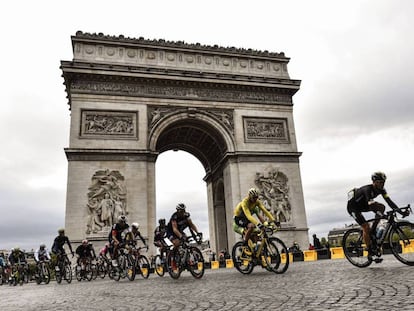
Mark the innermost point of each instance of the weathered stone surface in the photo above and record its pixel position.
(320, 285)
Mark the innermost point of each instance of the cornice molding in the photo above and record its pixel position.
(84, 154)
(100, 37)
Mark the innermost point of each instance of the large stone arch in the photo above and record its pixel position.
(132, 99)
(201, 134)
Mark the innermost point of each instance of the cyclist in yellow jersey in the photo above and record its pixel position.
(243, 221)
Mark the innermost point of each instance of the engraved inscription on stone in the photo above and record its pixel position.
(106, 201)
(265, 129)
(133, 89)
(274, 193)
(117, 124)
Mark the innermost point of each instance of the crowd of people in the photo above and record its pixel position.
(121, 235)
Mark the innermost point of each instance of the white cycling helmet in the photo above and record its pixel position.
(122, 218)
(135, 225)
(180, 207)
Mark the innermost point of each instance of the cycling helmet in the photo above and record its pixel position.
(135, 225)
(85, 242)
(253, 193)
(42, 246)
(122, 218)
(378, 176)
(161, 221)
(180, 207)
(61, 230)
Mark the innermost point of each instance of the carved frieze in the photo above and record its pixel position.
(265, 130)
(223, 116)
(179, 91)
(109, 124)
(274, 193)
(196, 57)
(106, 201)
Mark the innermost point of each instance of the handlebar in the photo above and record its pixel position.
(405, 211)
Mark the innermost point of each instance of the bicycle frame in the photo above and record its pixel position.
(271, 253)
(390, 217)
(398, 234)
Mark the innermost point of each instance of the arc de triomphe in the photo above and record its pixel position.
(132, 99)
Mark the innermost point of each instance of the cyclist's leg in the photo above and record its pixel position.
(379, 210)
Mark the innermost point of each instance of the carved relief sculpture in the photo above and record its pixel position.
(106, 200)
(265, 129)
(274, 193)
(108, 123)
(224, 116)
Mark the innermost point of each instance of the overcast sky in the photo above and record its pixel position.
(353, 114)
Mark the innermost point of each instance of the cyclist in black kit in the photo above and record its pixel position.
(179, 221)
(60, 240)
(160, 234)
(361, 200)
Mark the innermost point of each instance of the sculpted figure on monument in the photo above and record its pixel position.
(106, 200)
(274, 192)
(94, 223)
(107, 210)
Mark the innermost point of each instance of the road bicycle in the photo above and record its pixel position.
(63, 269)
(398, 235)
(159, 261)
(130, 262)
(84, 269)
(19, 273)
(187, 257)
(270, 252)
(103, 266)
(42, 273)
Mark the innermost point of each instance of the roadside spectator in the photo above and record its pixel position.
(316, 242)
(295, 248)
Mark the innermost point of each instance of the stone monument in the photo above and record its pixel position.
(132, 99)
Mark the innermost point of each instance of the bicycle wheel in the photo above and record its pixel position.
(101, 270)
(130, 267)
(276, 255)
(122, 266)
(144, 266)
(94, 269)
(26, 275)
(195, 262)
(353, 246)
(46, 273)
(242, 262)
(68, 272)
(78, 273)
(39, 274)
(401, 239)
(173, 264)
(58, 276)
(159, 265)
(114, 273)
(88, 272)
